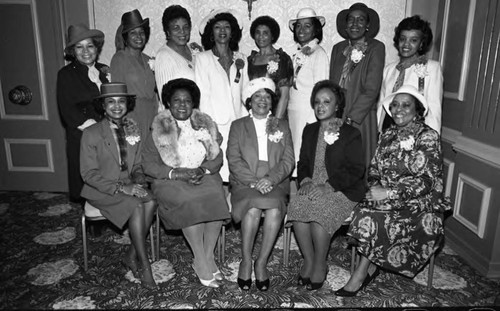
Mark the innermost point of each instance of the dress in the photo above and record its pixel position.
(100, 168)
(362, 90)
(169, 65)
(182, 204)
(332, 209)
(281, 76)
(246, 167)
(433, 88)
(75, 93)
(401, 233)
(220, 95)
(140, 81)
(300, 113)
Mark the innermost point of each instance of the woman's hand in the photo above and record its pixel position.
(189, 175)
(264, 186)
(317, 192)
(134, 189)
(376, 193)
(306, 188)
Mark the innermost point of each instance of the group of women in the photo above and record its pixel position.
(171, 131)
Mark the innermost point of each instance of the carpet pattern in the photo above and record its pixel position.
(42, 268)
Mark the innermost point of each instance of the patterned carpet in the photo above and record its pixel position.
(42, 268)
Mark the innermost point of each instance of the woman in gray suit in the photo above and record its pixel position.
(111, 170)
(260, 157)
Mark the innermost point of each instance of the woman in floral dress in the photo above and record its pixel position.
(330, 174)
(110, 164)
(356, 64)
(310, 65)
(399, 225)
(260, 157)
(271, 62)
(131, 66)
(413, 39)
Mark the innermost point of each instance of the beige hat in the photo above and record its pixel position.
(79, 32)
(257, 84)
(306, 13)
(113, 89)
(405, 89)
(213, 13)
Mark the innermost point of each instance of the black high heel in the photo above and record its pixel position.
(314, 286)
(244, 284)
(262, 285)
(301, 281)
(369, 278)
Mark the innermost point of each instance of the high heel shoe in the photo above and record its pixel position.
(262, 285)
(368, 279)
(218, 276)
(301, 281)
(314, 286)
(208, 283)
(244, 284)
(132, 265)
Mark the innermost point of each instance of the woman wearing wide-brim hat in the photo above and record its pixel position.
(310, 65)
(131, 66)
(111, 167)
(77, 84)
(357, 64)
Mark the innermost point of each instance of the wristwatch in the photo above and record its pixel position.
(348, 121)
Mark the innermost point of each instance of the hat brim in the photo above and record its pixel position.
(212, 14)
(405, 89)
(91, 33)
(115, 95)
(372, 29)
(145, 22)
(321, 19)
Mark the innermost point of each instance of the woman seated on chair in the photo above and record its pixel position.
(114, 182)
(399, 225)
(260, 157)
(183, 155)
(330, 175)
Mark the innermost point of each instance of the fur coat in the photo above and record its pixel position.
(165, 133)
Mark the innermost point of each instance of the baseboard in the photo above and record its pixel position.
(470, 255)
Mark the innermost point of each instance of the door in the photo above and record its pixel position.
(32, 143)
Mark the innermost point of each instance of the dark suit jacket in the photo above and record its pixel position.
(343, 160)
(243, 155)
(99, 161)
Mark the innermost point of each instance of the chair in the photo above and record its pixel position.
(93, 214)
(355, 261)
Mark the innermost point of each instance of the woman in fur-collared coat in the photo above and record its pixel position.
(183, 156)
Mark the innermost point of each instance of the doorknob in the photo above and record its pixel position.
(20, 95)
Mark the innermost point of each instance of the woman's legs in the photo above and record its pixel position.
(249, 228)
(194, 236)
(210, 236)
(148, 210)
(321, 241)
(359, 275)
(136, 224)
(272, 224)
(303, 234)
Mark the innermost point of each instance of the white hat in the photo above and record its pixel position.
(213, 13)
(257, 84)
(306, 13)
(405, 89)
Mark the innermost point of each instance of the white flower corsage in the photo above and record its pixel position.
(132, 132)
(107, 71)
(151, 63)
(202, 134)
(330, 138)
(357, 55)
(272, 67)
(408, 143)
(272, 130)
(195, 48)
(421, 70)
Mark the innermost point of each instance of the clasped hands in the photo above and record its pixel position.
(263, 185)
(136, 190)
(376, 194)
(190, 175)
(312, 190)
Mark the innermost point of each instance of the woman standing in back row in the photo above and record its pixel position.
(356, 65)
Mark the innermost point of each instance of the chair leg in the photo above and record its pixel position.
(287, 233)
(353, 259)
(84, 240)
(431, 272)
(152, 240)
(222, 246)
(158, 234)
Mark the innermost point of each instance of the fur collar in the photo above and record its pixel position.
(165, 133)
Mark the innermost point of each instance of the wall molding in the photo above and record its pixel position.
(449, 176)
(48, 148)
(449, 135)
(479, 228)
(477, 150)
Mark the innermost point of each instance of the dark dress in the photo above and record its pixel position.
(362, 90)
(401, 233)
(281, 76)
(340, 166)
(75, 93)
